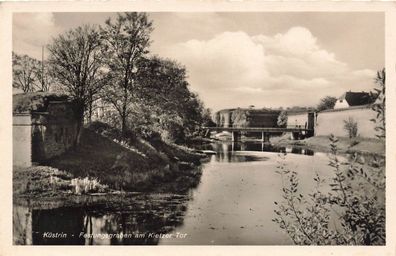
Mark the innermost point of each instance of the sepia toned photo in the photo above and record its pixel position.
(198, 128)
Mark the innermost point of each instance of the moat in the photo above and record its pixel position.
(232, 205)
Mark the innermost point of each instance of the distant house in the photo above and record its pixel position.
(350, 99)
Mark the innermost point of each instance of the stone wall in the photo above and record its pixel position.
(22, 139)
(39, 135)
(53, 132)
(332, 121)
(300, 119)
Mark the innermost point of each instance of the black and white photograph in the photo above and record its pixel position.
(199, 128)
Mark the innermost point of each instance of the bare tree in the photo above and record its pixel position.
(24, 75)
(125, 40)
(76, 64)
(44, 80)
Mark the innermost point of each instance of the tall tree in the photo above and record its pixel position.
(24, 72)
(162, 88)
(76, 64)
(125, 40)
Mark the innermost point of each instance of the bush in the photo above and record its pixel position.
(87, 185)
(379, 105)
(351, 127)
(355, 194)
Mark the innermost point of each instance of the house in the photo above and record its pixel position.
(44, 126)
(351, 99)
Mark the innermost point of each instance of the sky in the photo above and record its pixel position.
(265, 59)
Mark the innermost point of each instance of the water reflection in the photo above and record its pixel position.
(228, 151)
(136, 223)
(230, 206)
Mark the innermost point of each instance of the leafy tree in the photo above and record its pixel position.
(207, 119)
(162, 90)
(76, 64)
(125, 40)
(327, 102)
(24, 72)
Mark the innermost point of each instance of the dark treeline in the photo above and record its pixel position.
(110, 67)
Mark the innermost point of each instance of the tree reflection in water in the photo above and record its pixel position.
(134, 220)
(228, 151)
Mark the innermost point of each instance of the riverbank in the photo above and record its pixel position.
(106, 163)
(365, 146)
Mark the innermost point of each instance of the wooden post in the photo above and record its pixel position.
(262, 137)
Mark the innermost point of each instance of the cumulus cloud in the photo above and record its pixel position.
(236, 69)
(31, 31)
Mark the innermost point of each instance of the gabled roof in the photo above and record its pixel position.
(357, 98)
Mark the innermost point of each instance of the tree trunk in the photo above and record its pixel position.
(124, 111)
(79, 112)
(90, 111)
(123, 124)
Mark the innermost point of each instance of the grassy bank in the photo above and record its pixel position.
(366, 146)
(104, 162)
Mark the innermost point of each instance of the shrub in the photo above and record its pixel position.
(87, 185)
(355, 196)
(351, 127)
(379, 105)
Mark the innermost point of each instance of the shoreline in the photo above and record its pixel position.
(42, 186)
(360, 145)
(102, 168)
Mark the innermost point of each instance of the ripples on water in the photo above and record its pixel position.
(231, 205)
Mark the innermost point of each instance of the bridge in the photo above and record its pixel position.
(265, 131)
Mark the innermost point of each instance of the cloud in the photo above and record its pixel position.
(31, 31)
(235, 69)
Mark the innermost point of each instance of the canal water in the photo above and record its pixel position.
(232, 205)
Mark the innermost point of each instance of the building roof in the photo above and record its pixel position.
(35, 101)
(357, 98)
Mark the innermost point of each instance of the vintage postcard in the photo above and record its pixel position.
(238, 127)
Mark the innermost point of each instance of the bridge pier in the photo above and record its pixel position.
(265, 137)
(296, 135)
(235, 136)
